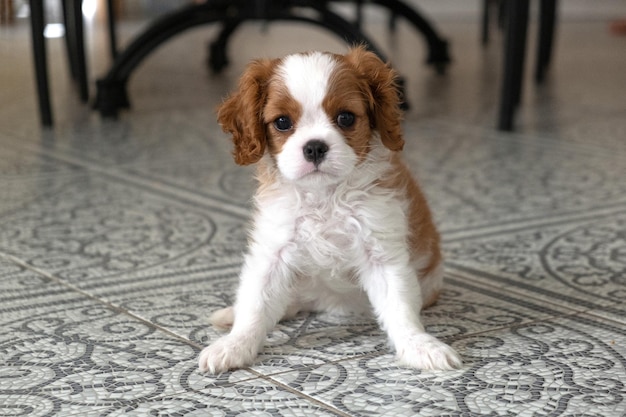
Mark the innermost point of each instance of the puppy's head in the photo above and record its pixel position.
(318, 115)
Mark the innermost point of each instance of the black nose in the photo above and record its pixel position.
(315, 151)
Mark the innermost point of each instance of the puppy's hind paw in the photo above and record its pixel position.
(426, 352)
(225, 354)
(223, 319)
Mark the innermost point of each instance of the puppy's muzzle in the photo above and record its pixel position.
(315, 151)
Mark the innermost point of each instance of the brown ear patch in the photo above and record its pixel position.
(383, 96)
(241, 114)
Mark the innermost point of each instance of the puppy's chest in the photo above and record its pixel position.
(330, 234)
(326, 229)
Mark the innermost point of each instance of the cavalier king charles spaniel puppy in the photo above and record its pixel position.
(340, 225)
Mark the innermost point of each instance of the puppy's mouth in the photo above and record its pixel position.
(319, 171)
(313, 170)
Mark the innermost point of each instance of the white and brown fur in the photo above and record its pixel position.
(347, 231)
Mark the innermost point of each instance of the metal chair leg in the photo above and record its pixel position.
(75, 44)
(112, 29)
(81, 59)
(70, 41)
(37, 21)
(438, 55)
(547, 19)
(514, 53)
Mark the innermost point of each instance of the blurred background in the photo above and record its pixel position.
(588, 53)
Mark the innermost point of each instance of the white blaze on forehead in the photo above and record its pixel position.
(306, 77)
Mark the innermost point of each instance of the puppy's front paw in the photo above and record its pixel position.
(227, 353)
(426, 352)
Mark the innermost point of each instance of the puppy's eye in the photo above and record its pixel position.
(283, 123)
(345, 119)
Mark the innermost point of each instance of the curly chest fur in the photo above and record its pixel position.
(339, 233)
(327, 235)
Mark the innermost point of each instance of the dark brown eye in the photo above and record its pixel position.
(283, 123)
(345, 119)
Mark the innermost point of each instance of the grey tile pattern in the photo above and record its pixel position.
(579, 264)
(563, 367)
(118, 238)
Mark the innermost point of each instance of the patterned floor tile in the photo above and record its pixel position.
(256, 398)
(83, 354)
(26, 176)
(151, 148)
(24, 293)
(576, 264)
(147, 139)
(569, 366)
(463, 309)
(73, 355)
(475, 178)
(17, 164)
(182, 303)
(94, 229)
(606, 131)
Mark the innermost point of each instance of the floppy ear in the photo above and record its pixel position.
(383, 95)
(242, 113)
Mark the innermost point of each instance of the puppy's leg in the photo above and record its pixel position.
(262, 299)
(394, 291)
(223, 318)
(431, 285)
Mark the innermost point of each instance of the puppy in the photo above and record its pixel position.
(340, 225)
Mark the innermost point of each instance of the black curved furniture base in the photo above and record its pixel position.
(438, 55)
(111, 96)
(111, 90)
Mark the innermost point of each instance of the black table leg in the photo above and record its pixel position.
(70, 42)
(112, 30)
(74, 42)
(514, 54)
(37, 22)
(547, 19)
(81, 60)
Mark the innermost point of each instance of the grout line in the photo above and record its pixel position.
(118, 285)
(183, 194)
(257, 374)
(307, 397)
(539, 138)
(515, 287)
(517, 326)
(125, 176)
(300, 394)
(89, 296)
(270, 378)
(512, 226)
(565, 311)
(330, 362)
(530, 296)
(594, 313)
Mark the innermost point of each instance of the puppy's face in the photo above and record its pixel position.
(316, 114)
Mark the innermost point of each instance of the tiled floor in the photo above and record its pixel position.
(118, 238)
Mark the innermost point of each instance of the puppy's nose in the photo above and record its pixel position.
(315, 151)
